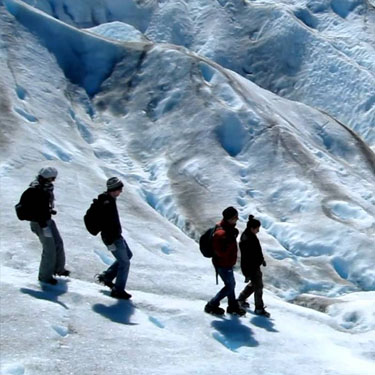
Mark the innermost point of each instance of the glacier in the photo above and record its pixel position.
(180, 111)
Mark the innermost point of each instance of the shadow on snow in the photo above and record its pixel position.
(49, 292)
(262, 322)
(119, 312)
(233, 334)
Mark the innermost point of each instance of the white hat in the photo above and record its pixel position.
(48, 172)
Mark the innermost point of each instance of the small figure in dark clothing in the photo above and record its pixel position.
(38, 200)
(115, 243)
(251, 261)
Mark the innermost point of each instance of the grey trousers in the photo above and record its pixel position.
(254, 286)
(53, 254)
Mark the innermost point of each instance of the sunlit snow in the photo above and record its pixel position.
(188, 103)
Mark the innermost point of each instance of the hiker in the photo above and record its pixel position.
(38, 202)
(225, 256)
(112, 238)
(251, 261)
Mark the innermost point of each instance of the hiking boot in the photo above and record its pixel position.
(262, 312)
(236, 310)
(51, 281)
(243, 304)
(65, 273)
(102, 280)
(214, 310)
(120, 294)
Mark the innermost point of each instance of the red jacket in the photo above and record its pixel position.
(225, 245)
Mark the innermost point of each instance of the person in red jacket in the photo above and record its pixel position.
(225, 256)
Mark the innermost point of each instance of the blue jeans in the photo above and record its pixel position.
(120, 268)
(227, 276)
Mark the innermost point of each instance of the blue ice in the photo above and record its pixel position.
(29, 117)
(231, 134)
(21, 92)
(156, 321)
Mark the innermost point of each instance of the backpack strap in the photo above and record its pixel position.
(216, 273)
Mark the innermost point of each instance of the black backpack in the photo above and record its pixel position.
(21, 212)
(24, 209)
(205, 242)
(93, 218)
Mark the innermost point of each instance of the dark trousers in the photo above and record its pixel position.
(226, 274)
(254, 286)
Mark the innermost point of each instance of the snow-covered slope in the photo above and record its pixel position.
(321, 53)
(185, 130)
(77, 328)
(188, 137)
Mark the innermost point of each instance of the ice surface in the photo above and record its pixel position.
(318, 52)
(119, 31)
(188, 137)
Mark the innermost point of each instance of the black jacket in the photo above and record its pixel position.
(251, 253)
(38, 203)
(111, 226)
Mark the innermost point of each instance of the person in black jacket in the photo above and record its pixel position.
(251, 261)
(38, 202)
(112, 238)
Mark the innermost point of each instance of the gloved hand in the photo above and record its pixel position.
(47, 232)
(247, 279)
(264, 263)
(111, 247)
(53, 212)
